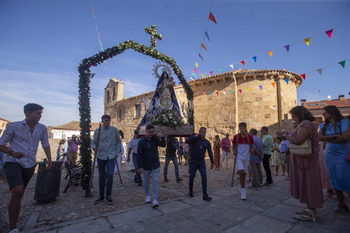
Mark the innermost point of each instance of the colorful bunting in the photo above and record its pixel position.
(270, 53)
(319, 71)
(217, 93)
(206, 34)
(220, 70)
(200, 56)
(231, 91)
(209, 93)
(224, 92)
(240, 91)
(231, 66)
(260, 87)
(211, 72)
(303, 75)
(342, 63)
(273, 84)
(254, 58)
(287, 47)
(194, 74)
(329, 33)
(242, 62)
(249, 89)
(196, 71)
(203, 75)
(307, 41)
(287, 80)
(203, 46)
(197, 64)
(198, 93)
(212, 18)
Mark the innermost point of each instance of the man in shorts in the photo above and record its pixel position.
(20, 159)
(242, 147)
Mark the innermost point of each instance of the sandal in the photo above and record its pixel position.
(341, 208)
(307, 215)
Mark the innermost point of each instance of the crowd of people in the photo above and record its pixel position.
(321, 164)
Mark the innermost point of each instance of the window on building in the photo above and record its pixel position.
(113, 93)
(107, 96)
(121, 114)
(138, 110)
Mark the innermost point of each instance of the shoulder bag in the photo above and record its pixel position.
(304, 149)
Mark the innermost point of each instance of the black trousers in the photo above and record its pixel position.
(266, 163)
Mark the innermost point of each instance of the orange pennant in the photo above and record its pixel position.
(270, 53)
(203, 46)
(273, 84)
(307, 41)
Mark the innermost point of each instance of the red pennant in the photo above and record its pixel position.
(242, 62)
(212, 18)
(217, 93)
(211, 72)
(240, 91)
(303, 75)
(196, 71)
(329, 33)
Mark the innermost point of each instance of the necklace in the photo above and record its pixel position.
(149, 144)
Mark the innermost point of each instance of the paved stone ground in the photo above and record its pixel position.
(268, 209)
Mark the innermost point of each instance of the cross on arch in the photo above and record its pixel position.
(154, 35)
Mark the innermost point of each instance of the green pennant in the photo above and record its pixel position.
(342, 63)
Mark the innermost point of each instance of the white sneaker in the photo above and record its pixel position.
(155, 204)
(14, 230)
(243, 194)
(148, 199)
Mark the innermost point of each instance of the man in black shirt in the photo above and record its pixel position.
(170, 155)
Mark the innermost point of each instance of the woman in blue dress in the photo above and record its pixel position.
(335, 131)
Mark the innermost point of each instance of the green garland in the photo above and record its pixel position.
(84, 92)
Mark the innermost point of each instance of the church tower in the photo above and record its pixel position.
(114, 92)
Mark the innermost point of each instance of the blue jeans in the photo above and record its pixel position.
(200, 165)
(105, 166)
(137, 177)
(167, 161)
(155, 180)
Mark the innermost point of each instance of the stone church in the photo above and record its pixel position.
(221, 102)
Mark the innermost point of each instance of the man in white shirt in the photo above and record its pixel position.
(20, 161)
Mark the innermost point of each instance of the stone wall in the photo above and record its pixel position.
(266, 106)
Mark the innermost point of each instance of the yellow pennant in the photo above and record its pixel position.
(197, 64)
(203, 75)
(273, 84)
(307, 41)
(270, 53)
(249, 89)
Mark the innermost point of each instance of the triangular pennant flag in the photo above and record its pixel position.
(270, 53)
(224, 92)
(209, 93)
(319, 71)
(242, 62)
(204, 93)
(240, 91)
(200, 56)
(260, 87)
(196, 71)
(220, 70)
(254, 58)
(212, 18)
(342, 63)
(273, 84)
(329, 33)
(307, 41)
(198, 93)
(303, 75)
(197, 64)
(206, 34)
(249, 89)
(217, 93)
(203, 46)
(211, 72)
(231, 91)
(231, 66)
(287, 80)
(287, 47)
(203, 75)
(194, 74)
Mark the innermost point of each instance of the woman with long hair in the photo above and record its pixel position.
(335, 131)
(305, 176)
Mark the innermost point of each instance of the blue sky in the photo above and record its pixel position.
(43, 42)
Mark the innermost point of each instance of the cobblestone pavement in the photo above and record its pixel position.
(268, 209)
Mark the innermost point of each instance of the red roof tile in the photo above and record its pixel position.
(323, 103)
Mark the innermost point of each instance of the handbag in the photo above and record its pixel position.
(304, 149)
(347, 158)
